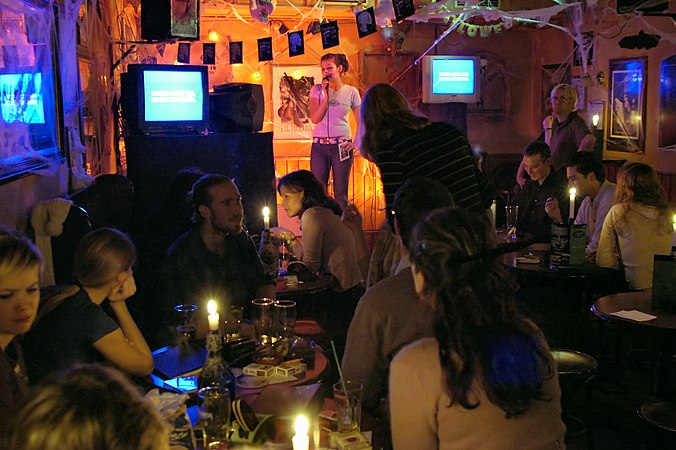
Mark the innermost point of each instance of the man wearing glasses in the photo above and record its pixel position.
(569, 132)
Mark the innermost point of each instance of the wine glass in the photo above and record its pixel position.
(263, 319)
(186, 329)
(285, 318)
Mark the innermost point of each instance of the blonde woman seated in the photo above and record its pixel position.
(487, 379)
(637, 227)
(89, 407)
(328, 245)
(20, 263)
(72, 327)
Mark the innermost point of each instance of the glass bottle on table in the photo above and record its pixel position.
(216, 371)
(268, 254)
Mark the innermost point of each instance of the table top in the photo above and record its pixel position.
(638, 300)
(541, 250)
(284, 291)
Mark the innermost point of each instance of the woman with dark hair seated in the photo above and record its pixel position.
(487, 379)
(328, 245)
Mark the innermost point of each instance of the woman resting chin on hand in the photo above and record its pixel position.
(72, 327)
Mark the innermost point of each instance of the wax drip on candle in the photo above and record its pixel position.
(213, 315)
(301, 441)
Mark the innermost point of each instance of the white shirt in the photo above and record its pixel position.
(341, 102)
(593, 213)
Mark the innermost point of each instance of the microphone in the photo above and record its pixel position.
(326, 78)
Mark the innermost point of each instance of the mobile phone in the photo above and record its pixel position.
(183, 384)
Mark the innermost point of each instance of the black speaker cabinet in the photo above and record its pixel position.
(166, 19)
(152, 161)
(237, 108)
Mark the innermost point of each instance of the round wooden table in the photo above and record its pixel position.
(302, 289)
(663, 328)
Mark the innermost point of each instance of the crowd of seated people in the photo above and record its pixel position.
(439, 333)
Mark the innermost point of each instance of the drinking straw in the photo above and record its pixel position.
(340, 372)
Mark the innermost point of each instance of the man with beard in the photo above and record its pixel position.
(216, 259)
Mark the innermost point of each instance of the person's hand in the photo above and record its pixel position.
(122, 291)
(591, 257)
(521, 179)
(352, 218)
(553, 211)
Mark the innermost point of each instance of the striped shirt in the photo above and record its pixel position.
(439, 152)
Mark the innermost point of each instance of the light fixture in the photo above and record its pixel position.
(256, 76)
(595, 120)
(297, 74)
(213, 36)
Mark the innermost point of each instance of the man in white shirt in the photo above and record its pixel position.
(585, 173)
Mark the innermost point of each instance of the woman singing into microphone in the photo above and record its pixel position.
(330, 105)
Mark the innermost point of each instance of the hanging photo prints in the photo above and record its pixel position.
(265, 49)
(236, 52)
(366, 22)
(209, 53)
(296, 43)
(330, 34)
(403, 9)
(184, 52)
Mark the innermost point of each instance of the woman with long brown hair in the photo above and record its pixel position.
(637, 227)
(486, 380)
(73, 328)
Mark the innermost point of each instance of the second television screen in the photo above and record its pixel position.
(173, 96)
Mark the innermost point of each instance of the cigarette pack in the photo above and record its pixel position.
(351, 440)
(259, 370)
(289, 368)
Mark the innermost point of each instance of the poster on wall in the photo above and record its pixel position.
(291, 87)
(668, 105)
(626, 105)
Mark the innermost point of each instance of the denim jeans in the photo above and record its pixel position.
(323, 157)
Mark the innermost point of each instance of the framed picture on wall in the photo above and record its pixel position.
(576, 82)
(291, 87)
(626, 105)
(668, 104)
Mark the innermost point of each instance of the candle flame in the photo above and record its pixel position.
(573, 191)
(301, 425)
(211, 307)
(595, 119)
(266, 212)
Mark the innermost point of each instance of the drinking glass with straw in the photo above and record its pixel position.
(348, 397)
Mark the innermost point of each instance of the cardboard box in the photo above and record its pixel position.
(290, 368)
(352, 440)
(259, 370)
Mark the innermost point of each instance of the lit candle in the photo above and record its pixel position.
(266, 218)
(673, 238)
(301, 441)
(494, 212)
(595, 120)
(571, 212)
(213, 316)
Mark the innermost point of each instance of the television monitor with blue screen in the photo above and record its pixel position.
(21, 98)
(163, 98)
(449, 79)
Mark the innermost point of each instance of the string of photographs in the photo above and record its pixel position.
(365, 21)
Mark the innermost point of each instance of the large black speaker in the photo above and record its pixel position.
(237, 108)
(166, 19)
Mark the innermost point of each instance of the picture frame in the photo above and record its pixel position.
(626, 105)
(576, 82)
(667, 104)
(291, 86)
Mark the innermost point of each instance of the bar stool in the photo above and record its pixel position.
(576, 369)
(658, 424)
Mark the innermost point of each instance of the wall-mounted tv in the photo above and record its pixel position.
(448, 79)
(165, 98)
(21, 97)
